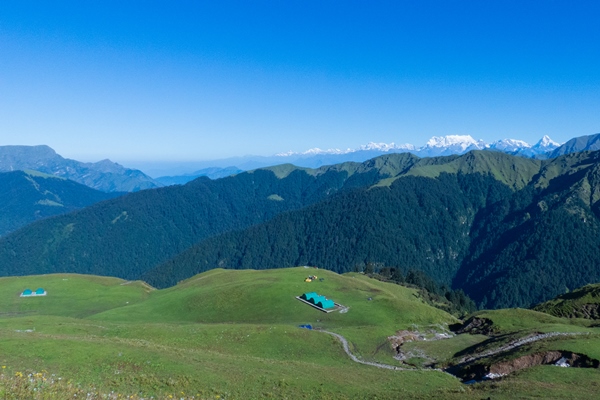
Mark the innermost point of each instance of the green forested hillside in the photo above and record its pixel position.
(541, 241)
(28, 196)
(129, 235)
(415, 223)
(504, 248)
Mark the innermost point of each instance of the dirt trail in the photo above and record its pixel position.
(373, 364)
(466, 360)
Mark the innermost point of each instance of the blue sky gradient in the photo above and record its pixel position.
(166, 81)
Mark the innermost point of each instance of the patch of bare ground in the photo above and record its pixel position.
(555, 357)
(474, 325)
(559, 358)
(405, 336)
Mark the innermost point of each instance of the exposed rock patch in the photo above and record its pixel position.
(474, 326)
(545, 358)
(405, 336)
(590, 311)
(554, 357)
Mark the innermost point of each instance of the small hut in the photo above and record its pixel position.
(31, 293)
(317, 300)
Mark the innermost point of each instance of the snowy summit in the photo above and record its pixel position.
(443, 146)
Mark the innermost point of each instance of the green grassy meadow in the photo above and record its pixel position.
(234, 334)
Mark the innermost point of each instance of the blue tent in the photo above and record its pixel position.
(26, 292)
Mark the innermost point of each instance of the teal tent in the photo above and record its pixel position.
(40, 292)
(26, 292)
(309, 296)
(325, 303)
(319, 301)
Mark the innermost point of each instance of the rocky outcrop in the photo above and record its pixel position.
(474, 325)
(561, 358)
(566, 358)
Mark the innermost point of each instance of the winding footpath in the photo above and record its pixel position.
(466, 360)
(373, 364)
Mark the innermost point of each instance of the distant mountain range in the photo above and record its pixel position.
(443, 146)
(436, 146)
(104, 175)
(212, 173)
(108, 176)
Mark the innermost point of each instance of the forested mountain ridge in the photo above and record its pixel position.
(127, 236)
(503, 247)
(415, 223)
(540, 241)
(28, 196)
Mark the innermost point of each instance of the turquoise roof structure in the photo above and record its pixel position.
(40, 291)
(27, 292)
(317, 300)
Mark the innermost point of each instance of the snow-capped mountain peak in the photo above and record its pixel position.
(509, 145)
(546, 144)
(314, 151)
(451, 140)
(451, 144)
(386, 147)
(441, 146)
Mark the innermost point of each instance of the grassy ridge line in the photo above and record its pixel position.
(517, 176)
(580, 303)
(268, 297)
(71, 295)
(253, 360)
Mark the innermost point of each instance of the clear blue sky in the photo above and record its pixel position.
(177, 80)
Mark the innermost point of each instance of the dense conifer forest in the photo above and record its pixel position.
(505, 230)
(30, 196)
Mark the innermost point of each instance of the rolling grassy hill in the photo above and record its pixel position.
(234, 335)
(69, 295)
(580, 303)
